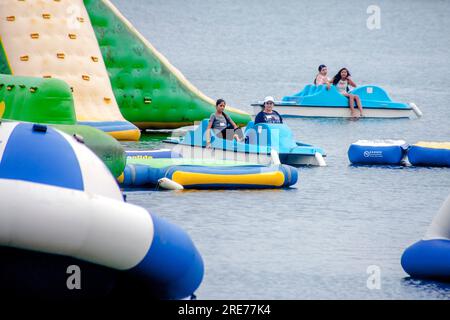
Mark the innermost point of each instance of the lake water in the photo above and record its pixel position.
(316, 240)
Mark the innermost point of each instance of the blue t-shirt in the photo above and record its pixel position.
(273, 117)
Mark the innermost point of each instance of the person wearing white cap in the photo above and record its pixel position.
(268, 115)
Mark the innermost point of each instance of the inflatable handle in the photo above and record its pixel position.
(320, 159)
(416, 109)
(169, 184)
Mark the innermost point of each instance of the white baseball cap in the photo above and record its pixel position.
(268, 98)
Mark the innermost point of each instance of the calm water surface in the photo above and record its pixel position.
(317, 239)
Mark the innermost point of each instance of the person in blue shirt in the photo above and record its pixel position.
(268, 115)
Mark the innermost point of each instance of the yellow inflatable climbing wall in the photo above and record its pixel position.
(55, 39)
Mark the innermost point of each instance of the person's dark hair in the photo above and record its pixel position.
(219, 101)
(337, 77)
(320, 69)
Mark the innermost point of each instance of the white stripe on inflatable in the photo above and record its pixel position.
(73, 223)
(380, 143)
(440, 226)
(6, 128)
(97, 178)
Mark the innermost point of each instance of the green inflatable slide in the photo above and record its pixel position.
(151, 93)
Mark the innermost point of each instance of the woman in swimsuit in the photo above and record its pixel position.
(342, 80)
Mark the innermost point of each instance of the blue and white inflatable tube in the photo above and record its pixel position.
(61, 206)
(429, 258)
(377, 152)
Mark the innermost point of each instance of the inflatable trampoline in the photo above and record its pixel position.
(377, 152)
(62, 210)
(206, 174)
(432, 154)
(429, 258)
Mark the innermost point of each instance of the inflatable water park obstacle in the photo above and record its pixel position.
(397, 152)
(429, 258)
(430, 154)
(117, 78)
(264, 144)
(379, 152)
(50, 101)
(54, 46)
(62, 211)
(179, 173)
(317, 101)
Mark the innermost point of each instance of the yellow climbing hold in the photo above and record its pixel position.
(2, 108)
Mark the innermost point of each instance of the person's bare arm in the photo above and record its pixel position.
(350, 82)
(208, 134)
(233, 124)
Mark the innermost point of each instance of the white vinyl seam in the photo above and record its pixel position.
(97, 178)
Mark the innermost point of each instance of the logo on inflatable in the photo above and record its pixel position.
(373, 154)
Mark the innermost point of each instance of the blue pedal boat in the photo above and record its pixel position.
(264, 144)
(317, 101)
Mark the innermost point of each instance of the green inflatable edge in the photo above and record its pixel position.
(36, 100)
(108, 149)
(149, 92)
(4, 64)
(50, 102)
